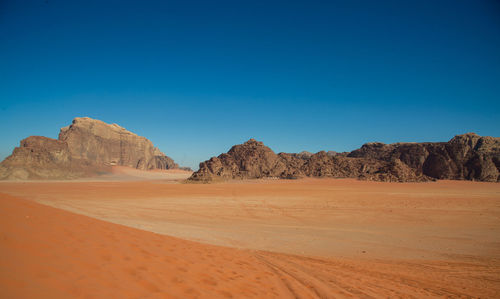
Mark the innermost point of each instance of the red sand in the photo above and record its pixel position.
(51, 253)
(46, 252)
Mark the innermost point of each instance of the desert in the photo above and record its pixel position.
(249, 149)
(306, 238)
(101, 212)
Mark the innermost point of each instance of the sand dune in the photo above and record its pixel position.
(328, 238)
(50, 253)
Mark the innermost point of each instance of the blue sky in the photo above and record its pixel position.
(197, 77)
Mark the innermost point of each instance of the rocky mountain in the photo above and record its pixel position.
(40, 157)
(104, 144)
(249, 160)
(86, 147)
(465, 157)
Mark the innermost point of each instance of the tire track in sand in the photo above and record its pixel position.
(308, 277)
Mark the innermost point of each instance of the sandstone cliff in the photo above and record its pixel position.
(468, 157)
(38, 157)
(84, 148)
(93, 140)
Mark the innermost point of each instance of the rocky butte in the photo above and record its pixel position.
(465, 157)
(84, 148)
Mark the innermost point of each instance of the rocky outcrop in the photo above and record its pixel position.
(253, 159)
(40, 157)
(468, 157)
(94, 140)
(37, 157)
(86, 147)
(249, 160)
(465, 157)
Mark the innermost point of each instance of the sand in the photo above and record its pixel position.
(300, 238)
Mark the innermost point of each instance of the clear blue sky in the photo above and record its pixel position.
(196, 77)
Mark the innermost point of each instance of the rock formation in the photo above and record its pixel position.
(94, 140)
(465, 157)
(84, 148)
(38, 157)
(249, 160)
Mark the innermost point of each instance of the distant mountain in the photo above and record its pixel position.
(465, 157)
(84, 148)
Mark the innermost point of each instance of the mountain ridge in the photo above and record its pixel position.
(464, 157)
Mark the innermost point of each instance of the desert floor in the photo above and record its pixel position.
(269, 238)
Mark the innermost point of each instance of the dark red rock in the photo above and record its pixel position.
(464, 157)
(468, 156)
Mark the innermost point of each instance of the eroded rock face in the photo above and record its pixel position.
(468, 157)
(253, 159)
(464, 157)
(94, 140)
(40, 157)
(84, 148)
(249, 160)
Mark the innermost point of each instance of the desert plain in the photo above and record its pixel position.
(138, 234)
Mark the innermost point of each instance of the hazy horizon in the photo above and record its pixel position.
(196, 78)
